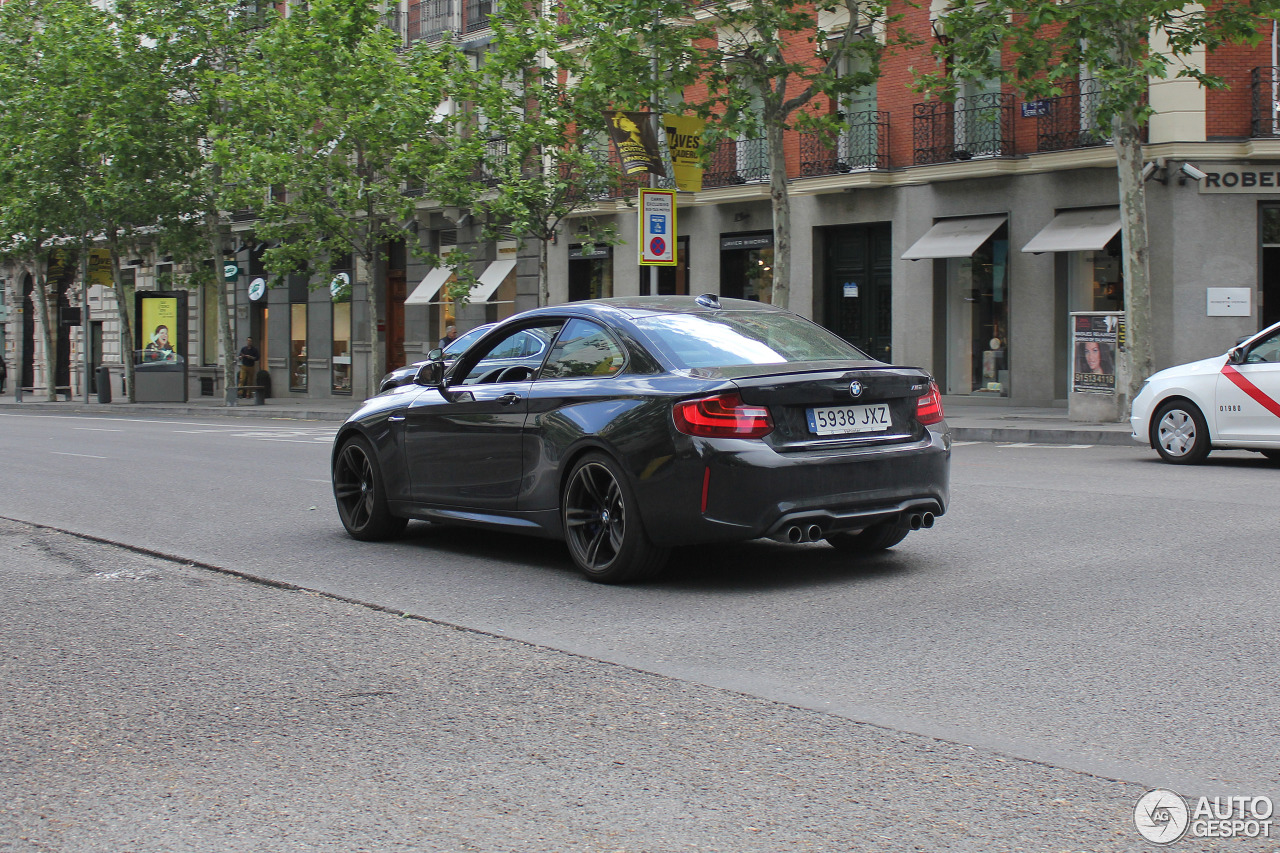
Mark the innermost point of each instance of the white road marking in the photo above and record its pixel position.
(96, 429)
(81, 455)
(294, 440)
(1046, 446)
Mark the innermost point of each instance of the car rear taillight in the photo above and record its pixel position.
(929, 406)
(722, 416)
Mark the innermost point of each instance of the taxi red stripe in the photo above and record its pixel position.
(1252, 390)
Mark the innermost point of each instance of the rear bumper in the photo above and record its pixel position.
(753, 491)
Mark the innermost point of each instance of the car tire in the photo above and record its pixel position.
(1179, 433)
(602, 524)
(358, 490)
(877, 537)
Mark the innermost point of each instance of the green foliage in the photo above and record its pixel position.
(327, 128)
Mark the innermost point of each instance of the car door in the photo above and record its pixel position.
(1248, 398)
(576, 394)
(464, 448)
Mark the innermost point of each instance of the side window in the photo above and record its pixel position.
(1266, 350)
(512, 358)
(583, 349)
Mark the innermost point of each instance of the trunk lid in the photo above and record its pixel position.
(818, 407)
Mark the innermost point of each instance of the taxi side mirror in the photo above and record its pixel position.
(1235, 355)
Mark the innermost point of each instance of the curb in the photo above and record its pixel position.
(1027, 435)
(134, 409)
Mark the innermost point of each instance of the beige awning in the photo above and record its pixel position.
(491, 279)
(954, 238)
(426, 291)
(1077, 231)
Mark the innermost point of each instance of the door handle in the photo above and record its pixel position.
(509, 399)
(395, 419)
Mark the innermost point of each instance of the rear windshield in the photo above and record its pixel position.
(723, 340)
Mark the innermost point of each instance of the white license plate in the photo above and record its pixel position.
(848, 420)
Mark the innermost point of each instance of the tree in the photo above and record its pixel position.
(336, 125)
(1123, 45)
(533, 149)
(766, 64)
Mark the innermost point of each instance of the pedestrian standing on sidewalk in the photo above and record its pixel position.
(248, 361)
(4, 374)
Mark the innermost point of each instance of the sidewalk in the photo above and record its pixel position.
(1001, 424)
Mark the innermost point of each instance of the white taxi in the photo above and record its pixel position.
(1228, 401)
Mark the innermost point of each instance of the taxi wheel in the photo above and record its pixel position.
(878, 537)
(1179, 433)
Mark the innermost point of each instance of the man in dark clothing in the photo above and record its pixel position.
(248, 361)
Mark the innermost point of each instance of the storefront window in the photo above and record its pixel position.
(341, 363)
(298, 346)
(978, 320)
(746, 267)
(590, 275)
(1097, 279)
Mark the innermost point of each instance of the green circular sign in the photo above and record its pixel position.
(230, 270)
(257, 289)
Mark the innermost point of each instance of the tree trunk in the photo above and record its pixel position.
(122, 310)
(40, 296)
(781, 202)
(230, 376)
(544, 282)
(376, 270)
(1136, 362)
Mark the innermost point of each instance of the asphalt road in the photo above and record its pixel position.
(1086, 608)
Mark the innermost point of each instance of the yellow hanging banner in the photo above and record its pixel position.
(684, 141)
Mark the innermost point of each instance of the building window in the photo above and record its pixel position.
(298, 346)
(341, 362)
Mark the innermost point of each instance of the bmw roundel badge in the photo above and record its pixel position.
(855, 388)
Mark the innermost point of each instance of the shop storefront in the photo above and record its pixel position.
(746, 266)
(974, 292)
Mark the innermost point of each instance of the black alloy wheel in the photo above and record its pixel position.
(877, 537)
(361, 499)
(602, 525)
(1179, 433)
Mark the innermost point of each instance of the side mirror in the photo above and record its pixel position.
(436, 354)
(1235, 355)
(431, 374)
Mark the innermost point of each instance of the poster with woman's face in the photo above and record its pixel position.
(1095, 354)
(159, 329)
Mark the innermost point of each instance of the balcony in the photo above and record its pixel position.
(432, 20)
(1069, 120)
(495, 151)
(970, 127)
(737, 161)
(476, 15)
(863, 145)
(393, 20)
(1266, 103)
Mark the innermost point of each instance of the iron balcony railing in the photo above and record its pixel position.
(434, 19)
(737, 161)
(1266, 103)
(973, 126)
(1069, 120)
(476, 15)
(862, 145)
(393, 19)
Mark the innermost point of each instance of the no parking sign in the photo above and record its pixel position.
(658, 227)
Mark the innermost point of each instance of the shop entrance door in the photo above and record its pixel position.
(859, 287)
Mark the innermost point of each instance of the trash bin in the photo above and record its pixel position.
(104, 384)
(206, 386)
(263, 381)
